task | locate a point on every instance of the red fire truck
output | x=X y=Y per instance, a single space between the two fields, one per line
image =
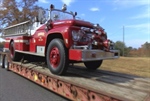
x=60 y=38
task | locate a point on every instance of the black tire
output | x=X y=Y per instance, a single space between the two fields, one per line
x=93 y=65
x=5 y=63
x=15 y=56
x=57 y=57
x=1 y=61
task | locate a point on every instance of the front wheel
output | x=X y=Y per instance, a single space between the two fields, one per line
x=57 y=57
x=93 y=65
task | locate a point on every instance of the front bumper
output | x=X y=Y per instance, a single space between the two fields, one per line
x=92 y=55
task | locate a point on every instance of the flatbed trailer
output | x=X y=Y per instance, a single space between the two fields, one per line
x=79 y=84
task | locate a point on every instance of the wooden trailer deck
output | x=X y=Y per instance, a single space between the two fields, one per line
x=84 y=85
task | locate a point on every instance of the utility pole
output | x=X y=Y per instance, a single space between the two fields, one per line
x=123 y=41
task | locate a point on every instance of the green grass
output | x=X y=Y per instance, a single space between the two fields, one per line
x=139 y=66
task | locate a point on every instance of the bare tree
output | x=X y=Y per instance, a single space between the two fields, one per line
x=14 y=11
x=29 y=9
x=9 y=12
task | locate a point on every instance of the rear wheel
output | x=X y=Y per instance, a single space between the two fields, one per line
x=5 y=63
x=1 y=61
x=93 y=65
x=15 y=56
x=57 y=57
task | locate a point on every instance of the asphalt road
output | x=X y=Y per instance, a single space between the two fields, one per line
x=16 y=88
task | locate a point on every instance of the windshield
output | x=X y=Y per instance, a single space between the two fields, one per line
x=60 y=15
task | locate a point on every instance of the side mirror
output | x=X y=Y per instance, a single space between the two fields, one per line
x=36 y=19
x=41 y=15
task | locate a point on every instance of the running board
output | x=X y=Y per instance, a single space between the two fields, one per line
x=31 y=53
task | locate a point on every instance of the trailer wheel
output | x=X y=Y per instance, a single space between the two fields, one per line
x=1 y=61
x=15 y=56
x=57 y=57
x=5 y=63
x=93 y=65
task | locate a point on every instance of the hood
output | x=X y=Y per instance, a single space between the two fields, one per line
x=72 y=22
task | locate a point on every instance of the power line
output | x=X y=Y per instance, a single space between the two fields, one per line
x=123 y=41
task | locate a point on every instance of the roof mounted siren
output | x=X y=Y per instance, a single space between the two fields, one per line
x=64 y=7
x=75 y=14
x=52 y=7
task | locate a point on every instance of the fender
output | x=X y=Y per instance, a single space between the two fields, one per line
x=65 y=33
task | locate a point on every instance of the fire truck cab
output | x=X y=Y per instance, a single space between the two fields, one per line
x=61 y=39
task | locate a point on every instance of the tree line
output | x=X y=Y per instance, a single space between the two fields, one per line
x=143 y=51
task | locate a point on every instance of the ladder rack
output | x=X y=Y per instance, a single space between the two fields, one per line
x=23 y=28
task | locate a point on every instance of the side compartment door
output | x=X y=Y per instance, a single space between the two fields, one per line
x=40 y=38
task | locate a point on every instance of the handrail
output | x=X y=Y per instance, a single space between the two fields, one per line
x=17 y=24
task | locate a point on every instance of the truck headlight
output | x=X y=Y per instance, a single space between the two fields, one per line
x=75 y=35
